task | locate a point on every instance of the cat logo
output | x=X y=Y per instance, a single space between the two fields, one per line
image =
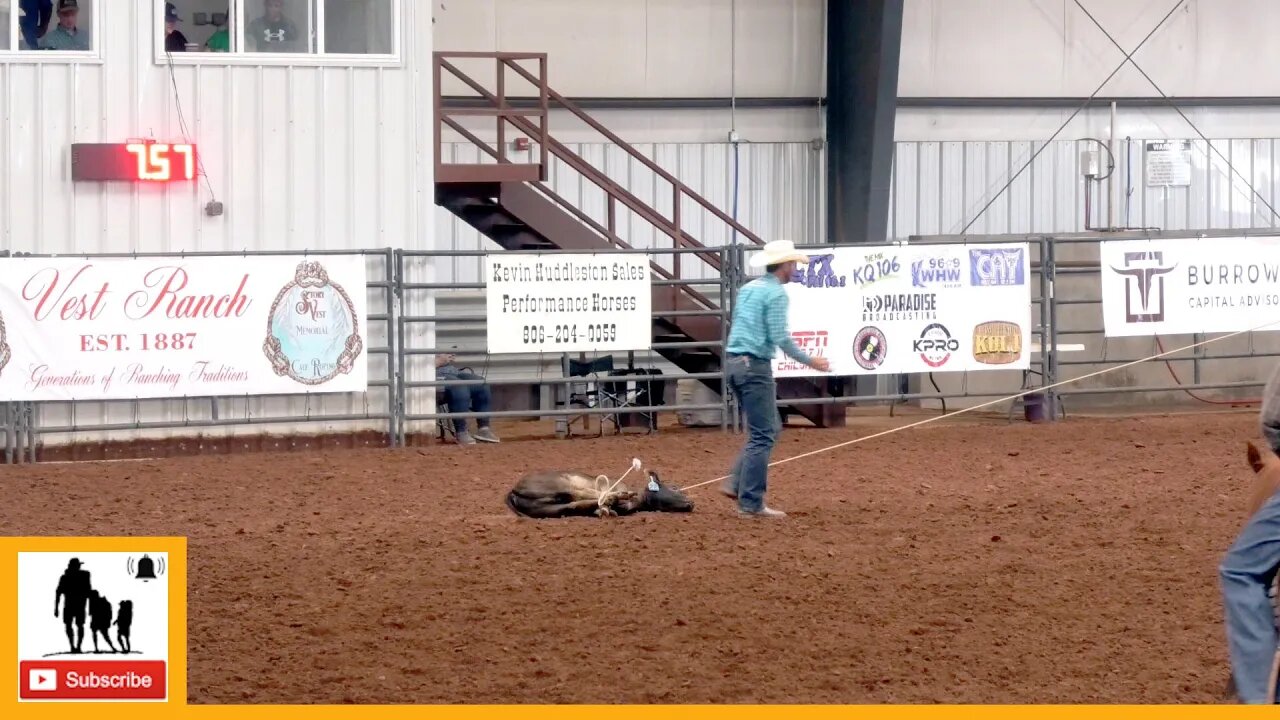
x=997 y=342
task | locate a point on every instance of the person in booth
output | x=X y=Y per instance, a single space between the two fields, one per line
x=66 y=35
x=174 y=40
x=465 y=398
x=1247 y=570
x=273 y=32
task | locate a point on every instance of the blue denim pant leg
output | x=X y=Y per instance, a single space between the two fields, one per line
x=468 y=398
x=1246 y=570
x=752 y=383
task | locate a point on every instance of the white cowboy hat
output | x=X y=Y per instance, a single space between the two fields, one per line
x=778 y=252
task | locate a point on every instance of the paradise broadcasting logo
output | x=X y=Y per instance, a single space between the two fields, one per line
x=107 y=637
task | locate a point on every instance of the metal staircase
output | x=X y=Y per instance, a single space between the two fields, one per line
x=512 y=204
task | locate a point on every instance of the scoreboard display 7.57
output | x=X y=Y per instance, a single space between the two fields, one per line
x=133 y=161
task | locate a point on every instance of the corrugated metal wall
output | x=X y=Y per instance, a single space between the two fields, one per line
x=939 y=187
x=303 y=157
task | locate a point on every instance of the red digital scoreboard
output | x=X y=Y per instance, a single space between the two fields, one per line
x=133 y=161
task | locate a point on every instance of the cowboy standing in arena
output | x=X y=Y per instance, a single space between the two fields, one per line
x=1247 y=571
x=759 y=329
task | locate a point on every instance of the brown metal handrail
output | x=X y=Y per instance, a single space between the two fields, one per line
x=678 y=187
x=613 y=191
x=501 y=111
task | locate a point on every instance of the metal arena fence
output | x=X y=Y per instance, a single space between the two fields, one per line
x=414 y=314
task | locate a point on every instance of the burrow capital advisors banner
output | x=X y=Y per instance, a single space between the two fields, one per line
x=75 y=328
x=568 y=303
x=1189 y=285
x=878 y=309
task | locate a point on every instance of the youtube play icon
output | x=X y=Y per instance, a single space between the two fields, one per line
x=42 y=679
x=93 y=680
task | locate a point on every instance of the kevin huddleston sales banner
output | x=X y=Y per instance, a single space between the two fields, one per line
x=877 y=309
x=568 y=302
x=74 y=328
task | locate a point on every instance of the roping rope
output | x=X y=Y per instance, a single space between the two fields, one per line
x=1029 y=391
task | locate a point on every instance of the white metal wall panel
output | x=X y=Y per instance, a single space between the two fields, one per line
x=303 y=157
x=1013 y=48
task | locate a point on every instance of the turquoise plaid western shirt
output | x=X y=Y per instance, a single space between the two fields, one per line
x=760 y=322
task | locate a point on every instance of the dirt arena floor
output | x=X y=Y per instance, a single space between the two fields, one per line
x=968 y=561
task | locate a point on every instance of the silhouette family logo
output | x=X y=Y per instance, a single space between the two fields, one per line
x=107 y=638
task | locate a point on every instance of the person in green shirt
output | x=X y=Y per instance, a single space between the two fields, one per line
x=220 y=41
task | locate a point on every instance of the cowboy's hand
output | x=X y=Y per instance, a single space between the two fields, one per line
x=822 y=364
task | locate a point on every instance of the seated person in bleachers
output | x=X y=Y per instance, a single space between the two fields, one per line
x=465 y=398
x=67 y=34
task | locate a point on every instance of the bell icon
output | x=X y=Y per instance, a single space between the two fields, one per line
x=146 y=568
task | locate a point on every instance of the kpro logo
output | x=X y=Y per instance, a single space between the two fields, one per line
x=935 y=345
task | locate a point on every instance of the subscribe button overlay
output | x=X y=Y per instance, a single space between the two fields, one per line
x=104 y=636
x=92 y=680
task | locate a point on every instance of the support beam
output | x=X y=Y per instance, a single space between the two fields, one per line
x=864 y=40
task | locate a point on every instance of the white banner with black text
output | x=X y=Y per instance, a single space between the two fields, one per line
x=76 y=328
x=1189 y=285
x=568 y=303
x=912 y=309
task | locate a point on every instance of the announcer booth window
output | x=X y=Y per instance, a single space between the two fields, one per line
x=278 y=32
x=54 y=30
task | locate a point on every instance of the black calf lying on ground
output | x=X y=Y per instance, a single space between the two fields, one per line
x=567 y=493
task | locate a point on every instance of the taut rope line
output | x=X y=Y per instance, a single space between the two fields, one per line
x=997 y=401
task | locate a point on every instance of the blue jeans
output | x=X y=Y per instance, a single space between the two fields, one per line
x=751 y=380
x=1247 y=571
x=465 y=398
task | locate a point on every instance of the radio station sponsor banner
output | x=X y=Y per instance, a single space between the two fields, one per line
x=928 y=308
x=1189 y=285
x=568 y=303
x=74 y=328
x=96 y=625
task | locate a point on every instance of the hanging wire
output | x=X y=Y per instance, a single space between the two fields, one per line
x=1169 y=101
x=1073 y=115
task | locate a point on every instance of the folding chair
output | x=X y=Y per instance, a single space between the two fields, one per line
x=646 y=390
x=589 y=393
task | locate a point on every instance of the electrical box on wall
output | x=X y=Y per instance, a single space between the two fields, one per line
x=1090 y=164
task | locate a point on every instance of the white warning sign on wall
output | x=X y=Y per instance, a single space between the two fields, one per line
x=1168 y=163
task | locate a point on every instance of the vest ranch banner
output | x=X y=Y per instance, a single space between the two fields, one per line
x=74 y=328
x=880 y=309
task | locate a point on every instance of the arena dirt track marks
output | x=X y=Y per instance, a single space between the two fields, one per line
x=960 y=562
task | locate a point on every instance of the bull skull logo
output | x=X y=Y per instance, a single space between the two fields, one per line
x=1143 y=272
